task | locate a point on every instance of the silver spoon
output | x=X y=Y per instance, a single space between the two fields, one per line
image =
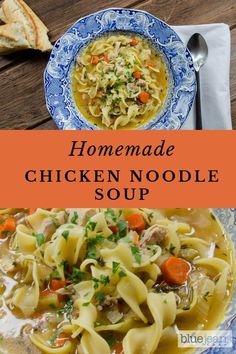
x=199 y=51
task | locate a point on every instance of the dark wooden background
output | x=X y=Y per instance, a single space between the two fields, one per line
x=21 y=75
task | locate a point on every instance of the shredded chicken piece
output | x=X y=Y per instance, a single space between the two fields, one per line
x=155 y=235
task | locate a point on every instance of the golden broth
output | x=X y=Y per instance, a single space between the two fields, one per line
x=15 y=329
x=115 y=80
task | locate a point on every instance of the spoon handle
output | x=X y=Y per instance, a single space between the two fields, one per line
x=198 y=104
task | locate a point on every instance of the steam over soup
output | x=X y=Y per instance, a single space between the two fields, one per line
x=102 y=281
x=119 y=81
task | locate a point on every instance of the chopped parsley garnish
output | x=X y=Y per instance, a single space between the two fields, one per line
x=86 y=304
x=40 y=239
x=96 y=283
x=74 y=218
x=54 y=336
x=65 y=234
x=111 y=341
x=122 y=274
x=104 y=280
x=91 y=246
x=115 y=267
x=77 y=275
x=100 y=297
x=136 y=253
x=122 y=226
x=150 y=216
x=110 y=212
x=55 y=222
x=90 y=226
x=7 y=233
x=67 y=309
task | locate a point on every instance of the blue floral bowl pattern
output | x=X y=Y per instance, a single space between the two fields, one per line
x=228 y=220
x=181 y=76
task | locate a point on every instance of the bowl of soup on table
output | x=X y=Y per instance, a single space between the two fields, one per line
x=119 y=69
x=110 y=281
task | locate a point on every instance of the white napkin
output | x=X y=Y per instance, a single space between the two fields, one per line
x=214 y=76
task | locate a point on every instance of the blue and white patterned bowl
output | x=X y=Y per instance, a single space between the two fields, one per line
x=228 y=219
x=57 y=78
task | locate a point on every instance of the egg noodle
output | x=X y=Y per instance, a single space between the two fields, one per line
x=119 y=81
x=101 y=281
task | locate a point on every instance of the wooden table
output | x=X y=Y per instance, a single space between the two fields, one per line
x=21 y=75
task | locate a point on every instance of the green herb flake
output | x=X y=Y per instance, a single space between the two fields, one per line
x=123 y=227
x=54 y=336
x=67 y=309
x=115 y=267
x=104 y=279
x=100 y=297
x=111 y=341
x=136 y=253
x=65 y=234
x=7 y=233
x=74 y=218
x=110 y=212
x=206 y=296
x=85 y=304
x=96 y=283
x=122 y=274
x=40 y=239
x=77 y=275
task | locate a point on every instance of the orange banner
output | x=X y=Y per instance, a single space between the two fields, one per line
x=118 y=169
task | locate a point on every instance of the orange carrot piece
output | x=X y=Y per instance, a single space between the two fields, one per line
x=119 y=348
x=133 y=42
x=106 y=58
x=136 y=222
x=137 y=74
x=8 y=225
x=144 y=97
x=94 y=59
x=175 y=270
x=136 y=239
x=57 y=284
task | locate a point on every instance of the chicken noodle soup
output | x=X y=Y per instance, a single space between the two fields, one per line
x=104 y=281
x=119 y=81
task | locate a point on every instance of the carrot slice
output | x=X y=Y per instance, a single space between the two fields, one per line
x=57 y=284
x=8 y=225
x=136 y=222
x=136 y=239
x=137 y=74
x=94 y=59
x=133 y=42
x=106 y=58
x=119 y=348
x=144 y=97
x=175 y=270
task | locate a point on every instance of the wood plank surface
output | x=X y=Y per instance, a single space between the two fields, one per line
x=21 y=91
